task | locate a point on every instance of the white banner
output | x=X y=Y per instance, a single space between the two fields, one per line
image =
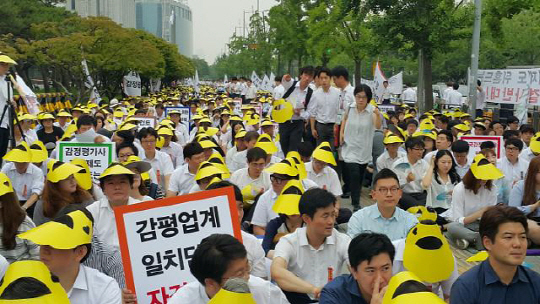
x=266 y=84
x=145 y=122
x=132 y=84
x=272 y=80
x=196 y=82
x=511 y=86
x=98 y=156
x=155 y=85
x=89 y=83
x=185 y=115
x=256 y=80
x=158 y=238
x=31 y=98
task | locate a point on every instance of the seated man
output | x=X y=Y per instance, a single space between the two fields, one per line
x=84 y=285
x=513 y=167
x=443 y=142
x=254 y=174
x=239 y=160
x=370 y=258
x=501 y=278
x=460 y=150
x=410 y=170
x=216 y=259
x=183 y=178
x=305 y=260
x=384 y=216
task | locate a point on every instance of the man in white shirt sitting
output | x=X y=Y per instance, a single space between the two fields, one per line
x=305 y=260
x=218 y=258
x=513 y=167
x=253 y=175
x=443 y=142
x=392 y=143
x=460 y=150
x=161 y=162
x=64 y=254
x=183 y=178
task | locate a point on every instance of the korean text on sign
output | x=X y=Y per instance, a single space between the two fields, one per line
x=98 y=156
x=158 y=239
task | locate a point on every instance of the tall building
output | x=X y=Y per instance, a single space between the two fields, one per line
x=167 y=19
x=120 y=11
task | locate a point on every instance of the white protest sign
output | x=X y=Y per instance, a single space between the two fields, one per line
x=476 y=141
x=386 y=108
x=132 y=84
x=145 y=122
x=98 y=156
x=158 y=238
x=511 y=86
x=185 y=114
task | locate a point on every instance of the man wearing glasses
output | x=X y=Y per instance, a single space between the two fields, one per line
x=384 y=216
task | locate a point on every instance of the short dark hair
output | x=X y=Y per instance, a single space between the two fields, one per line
x=412 y=121
x=192 y=148
x=384 y=174
x=308 y=70
x=413 y=142
x=256 y=153
x=510 y=133
x=518 y=143
x=365 y=246
x=488 y=144
x=145 y=132
x=278 y=78
x=251 y=135
x=86 y=120
x=448 y=134
x=455 y=85
x=460 y=146
x=102 y=180
x=305 y=149
x=495 y=216
x=443 y=119
x=363 y=88
x=224 y=183
x=512 y=119
x=127 y=145
x=324 y=70
x=313 y=199
x=340 y=71
x=526 y=129
x=214 y=255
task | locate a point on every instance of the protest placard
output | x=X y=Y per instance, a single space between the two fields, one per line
x=476 y=141
x=511 y=86
x=185 y=115
x=145 y=122
x=158 y=238
x=386 y=107
x=98 y=156
x=132 y=84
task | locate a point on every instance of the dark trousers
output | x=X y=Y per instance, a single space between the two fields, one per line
x=298 y=298
x=344 y=175
x=479 y=112
x=409 y=200
x=4 y=141
x=356 y=178
x=386 y=101
x=290 y=135
x=308 y=135
x=326 y=133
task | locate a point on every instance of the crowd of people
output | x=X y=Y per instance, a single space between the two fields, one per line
x=291 y=156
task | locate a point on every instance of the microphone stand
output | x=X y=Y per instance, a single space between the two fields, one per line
x=12 y=113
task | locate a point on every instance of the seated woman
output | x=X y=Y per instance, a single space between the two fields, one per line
x=139 y=190
x=470 y=199
x=525 y=195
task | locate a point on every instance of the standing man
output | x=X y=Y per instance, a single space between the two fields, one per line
x=409 y=95
x=5 y=62
x=480 y=99
x=251 y=92
x=454 y=97
x=279 y=90
x=385 y=93
x=323 y=109
x=298 y=93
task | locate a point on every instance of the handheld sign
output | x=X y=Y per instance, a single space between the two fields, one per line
x=185 y=114
x=145 y=122
x=98 y=156
x=476 y=140
x=158 y=238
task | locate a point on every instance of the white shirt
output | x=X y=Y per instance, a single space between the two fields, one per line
x=326 y=179
x=480 y=99
x=93 y=287
x=386 y=93
x=241 y=178
x=104 y=221
x=195 y=188
x=454 y=98
x=251 y=92
x=358 y=135
x=462 y=170
x=513 y=172
x=409 y=95
x=445 y=93
x=324 y=106
x=418 y=170
x=316 y=266
x=176 y=153
x=297 y=97
x=182 y=133
x=527 y=154
x=3 y=100
x=162 y=166
x=465 y=202
x=26 y=184
x=239 y=161
x=229 y=156
x=57 y=124
x=255 y=255
x=263 y=212
x=437 y=288
x=181 y=180
x=263 y=292
x=438 y=194
x=4 y=264
x=346 y=99
x=385 y=161
x=278 y=92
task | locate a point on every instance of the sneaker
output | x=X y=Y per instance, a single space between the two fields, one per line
x=462 y=244
x=356 y=208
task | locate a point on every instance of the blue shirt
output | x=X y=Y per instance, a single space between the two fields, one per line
x=370 y=219
x=342 y=290
x=481 y=285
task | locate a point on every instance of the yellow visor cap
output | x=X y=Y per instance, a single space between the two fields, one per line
x=19 y=154
x=5 y=184
x=83 y=177
x=229 y=297
x=115 y=169
x=61 y=171
x=482 y=169
x=266 y=143
x=282 y=111
x=287 y=202
x=39 y=152
x=324 y=153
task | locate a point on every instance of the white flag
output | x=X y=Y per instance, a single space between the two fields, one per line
x=225 y=80
x=171 y=19
x=378 y=78
x=196 y=82
x=395 y=83
x=132 y=84
x=89 y=83
x=272 y=80
x=266 y=84
x=31 y=98
x=256 y=80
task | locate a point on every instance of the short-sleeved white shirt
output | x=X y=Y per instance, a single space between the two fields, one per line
x=26 y=184
x=385 y=161
x=326 y=179
x=162 y=166
x=92 y=286
x=241 y=178
x=181 y=180
x=358 y=135
x=255 y=255
x=176 y=153
x=316 y=266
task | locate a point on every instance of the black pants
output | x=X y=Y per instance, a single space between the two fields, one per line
x=356 y=178
x=386 y=101
x=326 y=133
x=4 y=141
x=298 y=298
x=290 y=135
x=409 y=200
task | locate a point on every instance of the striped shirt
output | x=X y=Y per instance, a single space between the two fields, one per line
x=107 y=260
x=24 y=249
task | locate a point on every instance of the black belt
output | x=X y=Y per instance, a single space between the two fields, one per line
x=326 y=124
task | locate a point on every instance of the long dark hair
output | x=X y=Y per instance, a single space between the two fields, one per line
x=12 y=217
x=529 y=190
x=454 y=176
x=54 y=200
